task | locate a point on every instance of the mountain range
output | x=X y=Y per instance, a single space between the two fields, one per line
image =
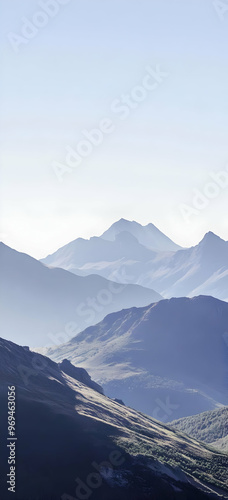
x=151 y=259
x=168 y=359
x=149 y=236
x=41 y=306
x=75 y=443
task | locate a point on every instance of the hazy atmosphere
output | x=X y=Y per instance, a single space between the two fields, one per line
x=113 y=250
x=151 y=78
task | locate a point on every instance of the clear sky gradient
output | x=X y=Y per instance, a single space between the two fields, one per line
x=64 y=80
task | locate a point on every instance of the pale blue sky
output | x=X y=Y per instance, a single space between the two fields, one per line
x=64 y=80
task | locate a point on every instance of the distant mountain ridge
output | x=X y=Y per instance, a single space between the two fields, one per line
x=149 y=236
x=40 y=305
x=149 y=259
x=202 y=269
x=166 y=359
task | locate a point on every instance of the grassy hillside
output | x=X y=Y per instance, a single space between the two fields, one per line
x=210 y=427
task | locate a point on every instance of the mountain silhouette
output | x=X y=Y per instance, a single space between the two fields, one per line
x=40 y=306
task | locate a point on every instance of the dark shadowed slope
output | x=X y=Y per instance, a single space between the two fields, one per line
x=65 y=429
x=40 y=305
x=168 y=359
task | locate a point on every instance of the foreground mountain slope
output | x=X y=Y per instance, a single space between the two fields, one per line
x=65 y=429
x=210 y=427
x=168 y=359
x=39 y=304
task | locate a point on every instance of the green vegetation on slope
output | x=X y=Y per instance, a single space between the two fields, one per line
x=210 y=427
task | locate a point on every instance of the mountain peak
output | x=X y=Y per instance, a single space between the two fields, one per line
x=149 y=235
x=125 y=224
x=122 y=220
x=210 y=234
x=210 y=238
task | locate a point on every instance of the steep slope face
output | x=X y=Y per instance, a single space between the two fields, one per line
x=201 y=269
x=74 y=443
x=79 y=374
x=40 y=306
x=149 y=236
x=168 y=359
x=210 y=427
